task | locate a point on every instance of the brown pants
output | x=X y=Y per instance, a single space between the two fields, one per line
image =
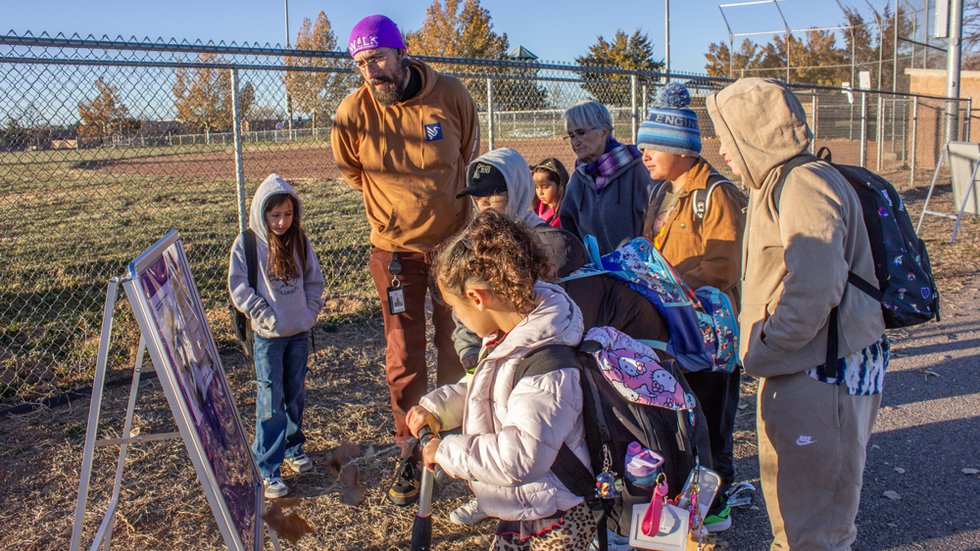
x=813 y=438
x=405 y=340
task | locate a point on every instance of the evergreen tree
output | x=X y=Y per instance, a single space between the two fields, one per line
x=624 y=52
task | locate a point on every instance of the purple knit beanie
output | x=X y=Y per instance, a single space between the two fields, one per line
x=374 y=31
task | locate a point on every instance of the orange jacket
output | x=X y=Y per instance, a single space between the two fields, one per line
x=707 y=251
x=409 y=160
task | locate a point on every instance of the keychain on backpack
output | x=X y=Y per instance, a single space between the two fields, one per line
x=396 y=294
x=651 y=520
x=608 y=485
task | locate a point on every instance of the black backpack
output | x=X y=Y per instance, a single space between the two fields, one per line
x=240 y=325
x=611 y=423
x=906 y=288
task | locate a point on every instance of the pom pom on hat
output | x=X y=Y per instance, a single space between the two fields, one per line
x=675 y=95
x=671 y=127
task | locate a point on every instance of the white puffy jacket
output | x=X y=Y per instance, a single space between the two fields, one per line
x=511 y=433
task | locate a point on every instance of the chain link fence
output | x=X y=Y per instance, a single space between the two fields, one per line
x=107 y=144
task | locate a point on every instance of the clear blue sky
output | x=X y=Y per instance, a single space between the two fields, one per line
x=555 y=30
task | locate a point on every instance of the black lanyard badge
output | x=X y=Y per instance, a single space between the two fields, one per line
x=396 y=294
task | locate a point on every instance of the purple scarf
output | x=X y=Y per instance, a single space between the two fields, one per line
x=615 y=157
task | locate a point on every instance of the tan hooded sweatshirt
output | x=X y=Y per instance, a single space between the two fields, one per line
x=795 y=256
x=409 y=160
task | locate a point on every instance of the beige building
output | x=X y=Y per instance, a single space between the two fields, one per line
x=929 y=133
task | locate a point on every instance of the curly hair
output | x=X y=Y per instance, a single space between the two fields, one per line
x=283 y=249
x=496 y=253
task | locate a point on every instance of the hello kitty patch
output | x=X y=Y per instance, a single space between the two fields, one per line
x=633 y=369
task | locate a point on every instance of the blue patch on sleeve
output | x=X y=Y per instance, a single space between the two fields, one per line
x=433 y=132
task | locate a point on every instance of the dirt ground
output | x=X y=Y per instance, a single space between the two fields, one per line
x=925 y=446
x=315 y=160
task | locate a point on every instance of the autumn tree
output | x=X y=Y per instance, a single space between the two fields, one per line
x=630 y=52
x=465 y=30
x=318 y=93
x=204 y=99
x=103 y=115
x=460 y=30
x=720 y=64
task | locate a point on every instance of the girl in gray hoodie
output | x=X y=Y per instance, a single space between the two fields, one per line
x=282 y=308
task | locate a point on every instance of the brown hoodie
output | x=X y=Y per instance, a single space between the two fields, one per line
x=409 y=160
x=795 y=255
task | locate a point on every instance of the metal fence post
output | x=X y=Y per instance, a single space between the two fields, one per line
x=915 y=138
x=864 y=129
x=879 y=132
x=643 y=102
x=813 y=122
x=633 y=120
x=490 y=114
x=969 y=119
x=236 y=124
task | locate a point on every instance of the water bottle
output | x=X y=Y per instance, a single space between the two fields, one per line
x=642 y=465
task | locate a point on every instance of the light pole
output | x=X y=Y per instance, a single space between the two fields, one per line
x=289 y=101
x=953 y=58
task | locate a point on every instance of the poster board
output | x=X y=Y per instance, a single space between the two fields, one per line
x=963 y=159
x=171 y=318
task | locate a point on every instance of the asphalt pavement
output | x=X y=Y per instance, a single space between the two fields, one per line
x=922 y=479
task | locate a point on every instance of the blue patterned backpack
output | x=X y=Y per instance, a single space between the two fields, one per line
x=906 y=288
x=701 y=326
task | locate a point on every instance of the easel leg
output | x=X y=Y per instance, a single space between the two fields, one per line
x=94 y=410
x=127 y=431
x=932 y=186
x=966 y=199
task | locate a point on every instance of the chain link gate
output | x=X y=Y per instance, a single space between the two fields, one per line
x=107 y=144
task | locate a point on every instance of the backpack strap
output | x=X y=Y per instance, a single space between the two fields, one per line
x=801 y=159
x=569 y=469
x=251 y=258
x=701 y=196
x=829 y=369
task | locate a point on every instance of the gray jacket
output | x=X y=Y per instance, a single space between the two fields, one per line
x=276 y=308
x=613 y=214
x=564 y=250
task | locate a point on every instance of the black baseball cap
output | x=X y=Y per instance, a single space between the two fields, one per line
x=485 y=180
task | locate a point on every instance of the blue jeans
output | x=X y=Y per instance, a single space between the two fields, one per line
x=280 y=379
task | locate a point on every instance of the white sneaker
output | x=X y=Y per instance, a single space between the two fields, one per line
x=300 y=463
x=275 y=487
x=467 y=514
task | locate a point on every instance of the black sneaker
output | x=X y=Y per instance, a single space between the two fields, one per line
x=405 y=487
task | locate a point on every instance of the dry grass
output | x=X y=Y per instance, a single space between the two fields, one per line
x=163 y=507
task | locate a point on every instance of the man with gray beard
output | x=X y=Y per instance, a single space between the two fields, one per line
x=404 y=139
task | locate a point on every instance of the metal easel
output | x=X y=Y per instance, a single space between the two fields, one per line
x=970 y=190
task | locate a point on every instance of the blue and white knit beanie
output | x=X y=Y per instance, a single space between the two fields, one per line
x=671 y=126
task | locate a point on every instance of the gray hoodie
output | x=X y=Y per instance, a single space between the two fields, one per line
x=276 y=308
x=563 y=249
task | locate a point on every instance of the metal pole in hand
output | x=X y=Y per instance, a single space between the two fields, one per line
x=422 y=525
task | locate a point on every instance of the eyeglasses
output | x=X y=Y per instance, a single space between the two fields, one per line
x=577 y=133
x=377 y=60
